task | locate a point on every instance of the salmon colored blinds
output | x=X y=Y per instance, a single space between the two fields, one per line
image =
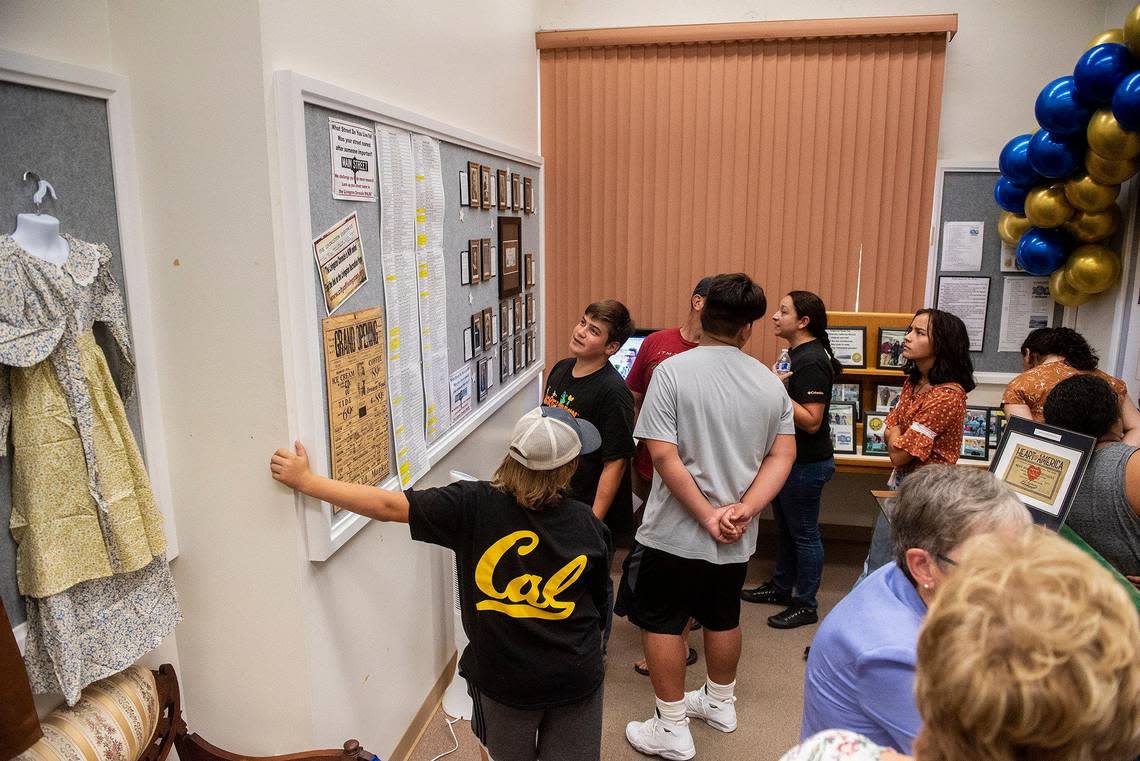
x=807 y=163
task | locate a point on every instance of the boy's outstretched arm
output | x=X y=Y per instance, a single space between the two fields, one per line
x=292 y=469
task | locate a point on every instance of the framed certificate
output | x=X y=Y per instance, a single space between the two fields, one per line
x=501 y=177
x=1044 y=466
x=889 y=348
x=510 y=256
x=476 y=260
x=976 y=434
x=841 y=418
x=848 y=344
x=474 y=185
x=875 y=434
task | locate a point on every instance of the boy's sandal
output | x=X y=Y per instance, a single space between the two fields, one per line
x=644 y=670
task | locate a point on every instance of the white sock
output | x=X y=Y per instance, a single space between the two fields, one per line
x=720 y=692
x=671 y=712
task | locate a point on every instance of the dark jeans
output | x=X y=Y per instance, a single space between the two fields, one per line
x=799 y=549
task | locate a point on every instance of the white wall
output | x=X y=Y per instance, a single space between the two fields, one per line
x=1003 y=54
x=72 y=31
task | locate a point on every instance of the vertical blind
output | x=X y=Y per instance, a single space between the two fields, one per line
x=806 y=162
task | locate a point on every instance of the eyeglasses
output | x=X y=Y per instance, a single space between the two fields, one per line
x=943 y=559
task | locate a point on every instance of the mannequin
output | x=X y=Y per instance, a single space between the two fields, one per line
x=38 y=234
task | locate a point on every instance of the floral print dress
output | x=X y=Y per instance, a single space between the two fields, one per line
x=90 y=556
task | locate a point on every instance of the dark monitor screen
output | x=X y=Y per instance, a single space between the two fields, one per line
x=625 y=356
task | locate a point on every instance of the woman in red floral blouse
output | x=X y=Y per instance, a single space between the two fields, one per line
x=925 y=425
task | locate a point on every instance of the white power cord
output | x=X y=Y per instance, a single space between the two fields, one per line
x=454 y=739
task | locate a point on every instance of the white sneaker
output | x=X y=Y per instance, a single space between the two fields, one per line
x=716 y=713
x=661 y=738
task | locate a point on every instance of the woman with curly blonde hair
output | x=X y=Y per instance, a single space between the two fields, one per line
x=1030 y=651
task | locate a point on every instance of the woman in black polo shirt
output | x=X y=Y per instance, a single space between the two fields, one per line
x=801 y=320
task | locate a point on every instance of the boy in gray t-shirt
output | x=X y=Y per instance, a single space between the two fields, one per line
x=718 y=425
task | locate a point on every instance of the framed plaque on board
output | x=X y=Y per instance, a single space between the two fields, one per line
x=510 y=256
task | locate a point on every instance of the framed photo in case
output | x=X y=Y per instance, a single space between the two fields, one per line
x=886 y=395
x=875 y=434
x=841 y=418
x=976 y=434
x=888 y=350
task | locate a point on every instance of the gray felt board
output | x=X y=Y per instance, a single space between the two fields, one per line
x=968 y=197
x=65 y=139
x=461 y=224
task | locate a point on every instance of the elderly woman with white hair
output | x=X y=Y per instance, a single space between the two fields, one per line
x=860 y=671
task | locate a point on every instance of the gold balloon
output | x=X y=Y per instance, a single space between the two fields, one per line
x=1046 y=206
x=1107 y=138
x=1092 y=269
x=1108 y=35
x=1063 y=293
x=1109 y=172
x=1086 y=194
x=1132 y=30
x=1012 y=226
x=1091 y=226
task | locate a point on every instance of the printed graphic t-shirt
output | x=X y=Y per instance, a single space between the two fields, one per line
x=532 y=590
x=811 y=384
x=655 y=349
x=602 y=399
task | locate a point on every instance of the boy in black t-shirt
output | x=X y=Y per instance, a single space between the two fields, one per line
x=532 y=574
x=590 y=388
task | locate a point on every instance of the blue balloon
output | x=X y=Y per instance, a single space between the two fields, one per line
x=1126 y=102
x=1014 y=162
x=1099 y=71
x=1051 y=156
x=1039 y=251
x=1058 y=109
x=1010 y=196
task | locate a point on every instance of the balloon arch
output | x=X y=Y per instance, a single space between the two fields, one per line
x=1058 y=186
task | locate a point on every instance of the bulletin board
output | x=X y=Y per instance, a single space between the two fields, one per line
x=71 y=126
x=966 y=195
x=304 y=109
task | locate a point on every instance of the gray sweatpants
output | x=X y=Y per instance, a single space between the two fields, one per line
x=570 y=732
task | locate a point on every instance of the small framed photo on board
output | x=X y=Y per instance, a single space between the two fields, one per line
x=474 y=185
x=997 y=426
x=1043 y=465
x=889 y=348
x=886 y=396
x=848 y=344
x=475 y=260
x=531 y=313
x=477 y=331
x=975 y=434
x=501 y=180
x=520 y=358
x=875 y=434
x=504 y=319
x=530 y=344
x=510 y=256
x=505 y=369
x=465 y=267
x=485 y=186
x=488 y=257
x=841 y=419
x=528 y=195
x=517 y=313
x=483 y=376
x=488 y=329
x=516 y=192
x=528 y=264
x=468 y=345
x=850 y=393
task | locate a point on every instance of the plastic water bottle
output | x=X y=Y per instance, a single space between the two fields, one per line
x=784 y=362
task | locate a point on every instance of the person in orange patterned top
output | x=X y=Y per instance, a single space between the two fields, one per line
x=1050 y=355
x=925 y=425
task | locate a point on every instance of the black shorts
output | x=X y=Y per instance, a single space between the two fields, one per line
x=660 y=592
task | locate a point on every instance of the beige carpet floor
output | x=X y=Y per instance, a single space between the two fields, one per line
x=769 y=682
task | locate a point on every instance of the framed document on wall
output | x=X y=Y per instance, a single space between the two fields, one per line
x=848 y=345
x=510 y=256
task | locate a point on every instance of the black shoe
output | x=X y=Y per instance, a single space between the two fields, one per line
x=796 y=615
x=768 y=594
